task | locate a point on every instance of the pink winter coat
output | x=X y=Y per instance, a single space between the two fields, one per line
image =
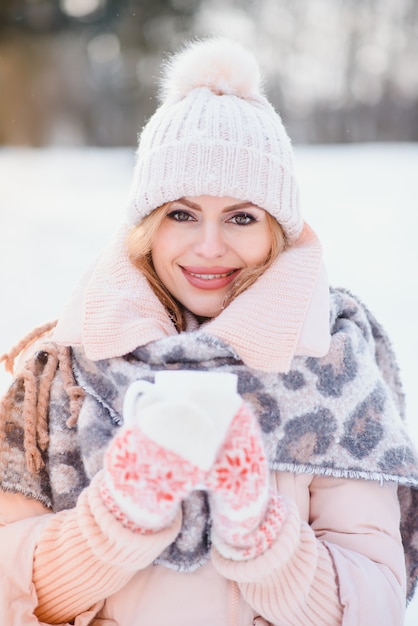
x=351 y=526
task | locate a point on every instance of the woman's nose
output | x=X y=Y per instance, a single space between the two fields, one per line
x=210 y=242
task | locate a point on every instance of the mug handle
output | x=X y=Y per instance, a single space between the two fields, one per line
x=136 y=388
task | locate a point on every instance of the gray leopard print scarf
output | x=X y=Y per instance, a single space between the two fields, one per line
x=341 y=415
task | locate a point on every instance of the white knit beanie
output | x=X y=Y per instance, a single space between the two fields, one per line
x=216 y=134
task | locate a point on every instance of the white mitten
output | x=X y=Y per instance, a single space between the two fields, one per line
x=247 y=516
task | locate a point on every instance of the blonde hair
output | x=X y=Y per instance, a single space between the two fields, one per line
x=139 y=244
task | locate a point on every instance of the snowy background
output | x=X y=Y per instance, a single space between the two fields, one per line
x=58 y=208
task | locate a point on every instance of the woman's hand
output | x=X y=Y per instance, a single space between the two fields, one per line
x=167 y=448
x=246 y=516
x=156 y=460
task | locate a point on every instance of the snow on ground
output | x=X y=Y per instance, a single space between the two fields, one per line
x=58 y=208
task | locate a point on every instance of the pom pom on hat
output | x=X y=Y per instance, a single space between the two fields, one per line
x=215 y=134
x=221 y=65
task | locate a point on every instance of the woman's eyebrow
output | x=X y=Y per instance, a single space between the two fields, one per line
x=242 y=205
x=188 y=203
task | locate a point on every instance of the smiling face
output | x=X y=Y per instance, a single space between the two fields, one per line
x=202 y=245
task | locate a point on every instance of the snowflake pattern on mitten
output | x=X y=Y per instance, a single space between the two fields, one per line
x=145 y=480
x=241 y=467
x=246 y=515
x=242 y=543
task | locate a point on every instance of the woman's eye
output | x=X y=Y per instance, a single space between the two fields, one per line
x=242 y=219
x=180 y=216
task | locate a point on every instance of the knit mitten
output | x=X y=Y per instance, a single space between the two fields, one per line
x=163 y=452
x=246 y=515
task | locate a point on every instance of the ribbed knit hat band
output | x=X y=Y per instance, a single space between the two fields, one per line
x=215 y=134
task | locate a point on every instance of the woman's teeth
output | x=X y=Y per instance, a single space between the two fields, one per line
x=212 y=276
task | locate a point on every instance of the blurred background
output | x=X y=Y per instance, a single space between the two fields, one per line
x=83 y=72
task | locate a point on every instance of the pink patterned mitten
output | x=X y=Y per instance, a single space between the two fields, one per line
x=156 y=460
x=247 y=516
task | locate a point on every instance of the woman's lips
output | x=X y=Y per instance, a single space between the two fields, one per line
x=209 y=277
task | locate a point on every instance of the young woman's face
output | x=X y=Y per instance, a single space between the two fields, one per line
x=202 y=245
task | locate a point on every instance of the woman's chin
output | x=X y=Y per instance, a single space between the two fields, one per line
x=206 y=313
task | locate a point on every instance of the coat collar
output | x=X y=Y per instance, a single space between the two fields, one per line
x=285 y=313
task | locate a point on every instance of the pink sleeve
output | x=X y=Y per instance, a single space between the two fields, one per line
x=85 y=555
x=293 y=583
x=334 y=567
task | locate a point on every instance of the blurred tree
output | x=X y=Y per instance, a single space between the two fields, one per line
x=84 y=71
x=79 y=71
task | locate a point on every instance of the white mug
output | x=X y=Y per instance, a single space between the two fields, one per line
x=185 y=407
x=181 y=385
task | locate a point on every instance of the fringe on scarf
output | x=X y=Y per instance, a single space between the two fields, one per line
x=35 y=378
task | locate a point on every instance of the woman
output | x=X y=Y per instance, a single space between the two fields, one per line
x=277 y=503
